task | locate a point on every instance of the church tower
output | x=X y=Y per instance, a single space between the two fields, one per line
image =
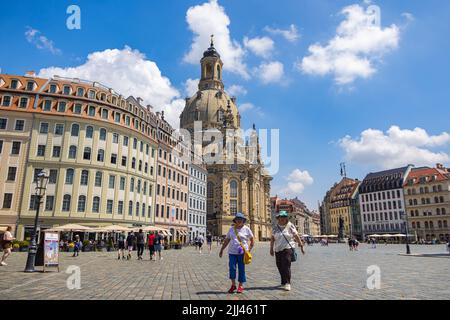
x=242 y=186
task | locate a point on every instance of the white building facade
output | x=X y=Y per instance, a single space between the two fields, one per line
x=197 y=219
x=382 y=202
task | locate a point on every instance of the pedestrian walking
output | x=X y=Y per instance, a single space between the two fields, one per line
x=78 y=246
x=282 y=246
x=151 y=244
x=200 y=241
x=121 y=246
x=130 y=244
x=209 y=241
x=241 y=241
x=6 y=245
x=140 y=243
x=158 y=242
x=350 y=244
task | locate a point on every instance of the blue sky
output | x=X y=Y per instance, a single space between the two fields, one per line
x=394 y=79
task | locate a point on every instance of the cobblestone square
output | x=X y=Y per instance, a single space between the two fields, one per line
x=323 y=273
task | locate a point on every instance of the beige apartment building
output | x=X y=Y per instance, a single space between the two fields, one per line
x=98 y=148
x=427 y=198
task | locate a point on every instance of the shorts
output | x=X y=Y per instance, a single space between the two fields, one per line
x=7 y=245
x=158 y=248
x=200 y=244
x=121 y=245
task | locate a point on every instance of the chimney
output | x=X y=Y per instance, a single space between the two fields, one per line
x=139 y=100
x=30 y=73
x=439 y=166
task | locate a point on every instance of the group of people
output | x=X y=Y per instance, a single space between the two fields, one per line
x=353 y=244
x=240 y=242
x=128 y=242
x=200 y=240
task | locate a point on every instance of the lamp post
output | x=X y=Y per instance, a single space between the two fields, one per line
x=404 y=215
x=41 y=187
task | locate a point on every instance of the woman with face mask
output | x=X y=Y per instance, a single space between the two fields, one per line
x=240 y=239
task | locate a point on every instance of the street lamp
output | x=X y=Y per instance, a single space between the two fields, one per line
x=404 y=216
x=41 y=186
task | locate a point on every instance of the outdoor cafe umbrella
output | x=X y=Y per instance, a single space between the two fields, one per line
x=112 y=228
x=69 y=228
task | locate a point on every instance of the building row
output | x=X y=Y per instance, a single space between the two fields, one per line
x=110 y=160
x=387 y=202
x=306 y=221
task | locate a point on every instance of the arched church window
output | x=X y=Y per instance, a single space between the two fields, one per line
x=233 y=189
x=210 y=191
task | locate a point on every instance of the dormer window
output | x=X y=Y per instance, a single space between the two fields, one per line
x=14 y=84
x=91 y=94
x=66 y=90
x=80 y=92
x=53 y=88
x=30 y=85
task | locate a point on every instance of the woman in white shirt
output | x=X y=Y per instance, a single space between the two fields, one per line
x=7 y=245
x=236 y=250
x=282 y=243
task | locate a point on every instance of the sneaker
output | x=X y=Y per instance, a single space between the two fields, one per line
x=240 y=289
x=232 y=289
x=287 y=287
x=3 y=263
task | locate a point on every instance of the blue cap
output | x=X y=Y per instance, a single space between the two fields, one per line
x=239 y=215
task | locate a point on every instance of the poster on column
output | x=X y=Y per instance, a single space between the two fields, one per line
x=51 y=250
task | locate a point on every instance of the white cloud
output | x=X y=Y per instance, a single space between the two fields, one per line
x=296 y=183
x=359 y=43
x=236 y=90
x=246 y=107
x=191 y=87
x=262 y=47
x=270 y=72
x=290 y=34
x=41 y=42
x=128 y=72
x=207 y=19
x=397 y=147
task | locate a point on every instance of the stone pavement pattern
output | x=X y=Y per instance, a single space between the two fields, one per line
x=323 y=273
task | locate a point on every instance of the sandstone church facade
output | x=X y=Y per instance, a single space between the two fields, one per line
x=241 y=185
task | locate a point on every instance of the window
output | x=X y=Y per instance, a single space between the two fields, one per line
x=122 y=183
x=113 y=158
x=14 y=84
x=98 y=178
x=3 y=123
x=33 y=202
x=53 y=88
x=77 y=108
x=53 y=175
x=47 y=105
x=125 y=141
x=115 y=138
x=87 y=153
x=89 y=132
x=59 y=129
x=69 y=176
x=66 y=203
x=66 y=90
x=91 y=94
x=7 y=200
x=43 y=129
x=49 y=202
x=75 y=131
x=133 y=163
x=135 y=143
x=109 y=206
x=20 y=124
x=103 y=134
x=11 y=174
x=117 y=117
x=80 y=92
x=96 y=205
x=233 y=189
x=130 y=208
x=81 y=204
x=124 y=161
x=23 y=103
x=112 y=182
x=120 y=208
x=233 y=207
x=41 y=150
x=101 y=155
x=132 y=185
x=6 y=101
x=137 y=209
x=105 y=114
x=72 y=152
x=62 y=106
x=84 y=178
x=91 y=111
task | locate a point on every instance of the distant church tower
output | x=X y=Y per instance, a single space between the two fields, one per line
x=239 y=187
